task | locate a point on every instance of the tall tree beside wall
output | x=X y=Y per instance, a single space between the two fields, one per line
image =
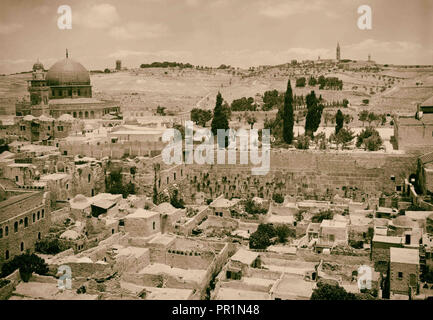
x=314 y=114
x=339 y=120
x=219 y=120
x=288 y=117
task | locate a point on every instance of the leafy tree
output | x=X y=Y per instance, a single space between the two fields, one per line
x=345 y=103
x=259 y=240
x=176 y=201
x=322 y=215
x=27 y=264
x=370 y=139
x=288 y=117
x=371 y=117
x=363 y=116
x=272 y=99
x=49 y=246
x=339 y=120
x=243 y=104
x=283 y=232
x=343 y=138
x=312 y=81
x=303 y=142
x=251 y=119
x=365 y=101
x=314 y=114
x=329 y=292
x=278 y=198
x=200 y=116
x=300 y=82
x=220 y=120
x=252 y=208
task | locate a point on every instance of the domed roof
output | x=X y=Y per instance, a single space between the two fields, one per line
x=38 y=66
x=79 y=198
x=67 y=72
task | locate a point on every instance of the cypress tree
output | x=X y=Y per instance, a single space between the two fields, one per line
x=219 y=120
x=339 y=120
x=288 y=117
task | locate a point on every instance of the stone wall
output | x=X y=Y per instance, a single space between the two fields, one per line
x=358 y=175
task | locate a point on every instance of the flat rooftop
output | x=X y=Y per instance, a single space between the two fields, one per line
x=236 y=294
x=404 y=255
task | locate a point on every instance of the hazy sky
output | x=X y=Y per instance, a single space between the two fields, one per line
x=211 y=32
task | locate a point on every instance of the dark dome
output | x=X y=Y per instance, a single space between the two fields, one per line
x=67 y=72
x=38 y=66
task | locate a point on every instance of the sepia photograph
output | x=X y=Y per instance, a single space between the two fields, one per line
x=226 y=150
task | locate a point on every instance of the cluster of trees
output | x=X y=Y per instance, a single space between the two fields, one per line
x=332 y=83
x=272 y=99
x=252 y=207
x=114 y=184
x=243 y=104
x=266 y=234
x=166 y=64
x=370 y=117
x=369 y=139
x=200 y=116
x=27 y=264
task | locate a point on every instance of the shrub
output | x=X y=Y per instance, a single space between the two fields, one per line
x=278 y=198
x=49 y=246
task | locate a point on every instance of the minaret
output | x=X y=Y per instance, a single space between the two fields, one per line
x=338 y=51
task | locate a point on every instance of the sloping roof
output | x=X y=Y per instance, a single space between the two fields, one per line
x=387 y=239
x=404 y=255
x=19 y=204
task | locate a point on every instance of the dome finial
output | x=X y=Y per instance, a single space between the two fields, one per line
x=67 y=55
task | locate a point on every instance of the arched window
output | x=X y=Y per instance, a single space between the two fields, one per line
x=34 y=218
x=89 y=177
x=6 y=231
x=39 y=236
x=26 y=222
x=22 y=246
x=21 y=221
x=43 y=213
x=16 y=226
x=7 y=255
x=86 y=114
x=153 y=225
x=39 y=215
x=1 y=233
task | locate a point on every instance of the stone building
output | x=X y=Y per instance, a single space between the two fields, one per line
x=64 y=89
x=24 y=219
x=404 y=271
x=416 y=133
